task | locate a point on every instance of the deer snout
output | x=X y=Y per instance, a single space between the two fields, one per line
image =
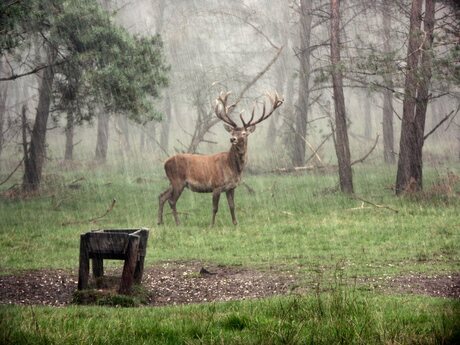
x=233 y=140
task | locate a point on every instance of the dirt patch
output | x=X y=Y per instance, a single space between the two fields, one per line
x=43 y=287
x=435 y=285
x=174 y=283
x=167 y=284
x=183 y=283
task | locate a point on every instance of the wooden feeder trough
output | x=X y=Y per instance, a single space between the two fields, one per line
x=129 y=245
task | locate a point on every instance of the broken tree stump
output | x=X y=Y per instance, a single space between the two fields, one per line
x=129 y=245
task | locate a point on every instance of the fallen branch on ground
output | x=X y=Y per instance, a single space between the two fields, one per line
x=358 y=208
x=73 y=183
x=375 y=205
x=95 y=219
x=305 y=168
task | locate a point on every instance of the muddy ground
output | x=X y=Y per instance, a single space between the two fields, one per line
x=175 y=283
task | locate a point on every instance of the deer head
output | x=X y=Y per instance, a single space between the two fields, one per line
x=239 y=134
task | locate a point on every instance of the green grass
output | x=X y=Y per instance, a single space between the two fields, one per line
x=292 y=223
x=340 y=316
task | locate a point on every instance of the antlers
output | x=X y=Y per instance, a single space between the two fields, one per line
x=222 y=114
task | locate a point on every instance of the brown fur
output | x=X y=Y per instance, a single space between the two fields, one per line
x=217 y=173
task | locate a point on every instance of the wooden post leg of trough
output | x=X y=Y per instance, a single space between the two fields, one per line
x=127 y=276
x=83 y=272
x=139 y=272
x=98 y=271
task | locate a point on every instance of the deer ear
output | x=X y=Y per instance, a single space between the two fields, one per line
x=228 y=128
x=251 y=129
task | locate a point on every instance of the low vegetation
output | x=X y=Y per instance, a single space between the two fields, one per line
x=298 y=224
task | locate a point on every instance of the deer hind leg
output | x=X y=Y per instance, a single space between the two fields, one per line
x=175 y=194
x=162 y=199
x=215 y=204
x=231 y=204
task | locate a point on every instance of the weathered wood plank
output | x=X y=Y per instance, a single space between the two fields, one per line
x=83 y=272
x=129 y=267
x=129 y=245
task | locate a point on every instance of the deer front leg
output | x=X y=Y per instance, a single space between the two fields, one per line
x=176 y=192
x=215 y=204
x=231 y=204
x=162 y=199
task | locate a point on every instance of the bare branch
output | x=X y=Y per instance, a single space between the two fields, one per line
x=360 y=160
x=32 y=71
x=92 y=220
x=259 y=75
x=11 y=174
x=205 y=125
x=246 y=21
x=439 y=124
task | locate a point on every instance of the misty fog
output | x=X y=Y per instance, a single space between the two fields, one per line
x=252 y=47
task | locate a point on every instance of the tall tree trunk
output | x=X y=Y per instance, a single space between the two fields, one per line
x=282 y=32
x=342 y=146
x=123 y=125
x=33 y=164
x=69 y=133
x=3 y=97
x=142 y=140
x=367 y=115
x=301 y=111
x=387 y=113
x=410 y=163
x=102 y=136
x=387 y=127
x=270 y=139
x=289 y=118
x=25 y=144
x=166 y=125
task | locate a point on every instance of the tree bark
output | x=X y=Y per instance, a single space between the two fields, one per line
x=418 y=77
x=102 y=136
x=3 y=96
x=270 y=139
x=123 y=126
x=387 y=128
x=69 y=134
x=367 y=115
x=166 y=124
x=342 y=146
x=387 y=113
x=301 y=110
x=33 y=163
x=281 y=33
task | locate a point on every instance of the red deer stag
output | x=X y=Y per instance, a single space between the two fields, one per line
x=216 y=173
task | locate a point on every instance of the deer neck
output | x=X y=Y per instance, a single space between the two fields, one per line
x=238 y=157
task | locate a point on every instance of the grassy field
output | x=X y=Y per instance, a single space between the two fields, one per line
x=299 y=224
x=339 y=317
